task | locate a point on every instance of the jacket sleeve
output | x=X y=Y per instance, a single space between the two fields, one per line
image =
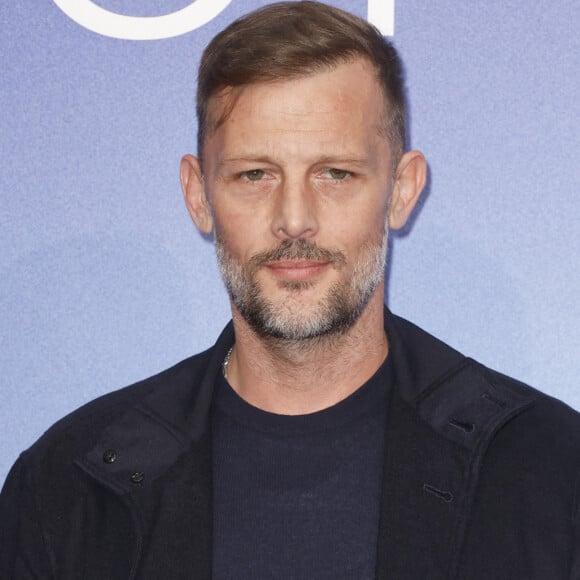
x=22 y=548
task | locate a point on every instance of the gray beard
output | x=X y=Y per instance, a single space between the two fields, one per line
x=333 y=315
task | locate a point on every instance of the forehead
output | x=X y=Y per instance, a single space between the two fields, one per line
x=342 y=102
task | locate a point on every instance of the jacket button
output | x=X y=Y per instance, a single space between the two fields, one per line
x=137 y=477
x=110 y=456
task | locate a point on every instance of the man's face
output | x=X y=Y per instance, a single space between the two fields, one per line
x=298 y=179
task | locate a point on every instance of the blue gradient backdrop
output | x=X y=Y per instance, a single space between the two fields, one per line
x=104 y=280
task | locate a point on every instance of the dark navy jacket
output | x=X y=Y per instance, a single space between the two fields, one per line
x=480 y=478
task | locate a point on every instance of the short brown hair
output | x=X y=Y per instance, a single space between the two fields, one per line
x=289 y=40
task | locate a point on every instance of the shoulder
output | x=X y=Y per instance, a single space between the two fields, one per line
x=515 y=422
x=528 y=488
x=546 y=434
x=546 y=426
x=434 y=370
x=528 y=453
x=78 y=431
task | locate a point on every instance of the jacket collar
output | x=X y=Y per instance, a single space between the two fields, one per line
x=450 y=392
x=151 y=435
x=444 y=411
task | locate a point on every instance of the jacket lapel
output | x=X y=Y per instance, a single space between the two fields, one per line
x=444 y=410
x=156 y=458
x=178 y=514
x=423 y=485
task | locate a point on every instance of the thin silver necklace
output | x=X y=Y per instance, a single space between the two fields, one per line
x=226 y=363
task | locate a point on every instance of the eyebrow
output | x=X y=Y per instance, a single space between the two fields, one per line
x=329 y=160
x=326 y=160
x=249 y=158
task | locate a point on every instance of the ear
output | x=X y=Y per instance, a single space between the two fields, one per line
x=194 y=192
x=410 y=179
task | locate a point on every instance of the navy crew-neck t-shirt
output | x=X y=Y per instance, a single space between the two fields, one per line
x=298 y=496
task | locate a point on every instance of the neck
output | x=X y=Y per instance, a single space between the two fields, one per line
x=299 y=377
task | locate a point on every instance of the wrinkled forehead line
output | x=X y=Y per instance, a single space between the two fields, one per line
x=222 y=102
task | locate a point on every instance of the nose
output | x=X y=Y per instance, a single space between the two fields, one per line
x=295 y=212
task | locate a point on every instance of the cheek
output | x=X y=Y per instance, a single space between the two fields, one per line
x=360 y=225
x=240 y=236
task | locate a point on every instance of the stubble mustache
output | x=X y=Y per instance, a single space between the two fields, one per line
x=300 y=249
